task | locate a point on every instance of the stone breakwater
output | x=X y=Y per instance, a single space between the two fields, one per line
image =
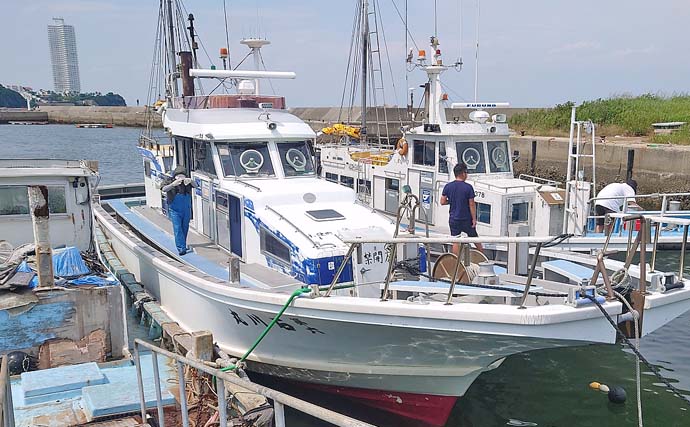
x=656 y=168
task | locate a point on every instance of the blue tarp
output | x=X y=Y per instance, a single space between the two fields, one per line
x=94 y=281
x=68 y=263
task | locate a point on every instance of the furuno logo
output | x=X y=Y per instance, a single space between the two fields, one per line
x=481 y=105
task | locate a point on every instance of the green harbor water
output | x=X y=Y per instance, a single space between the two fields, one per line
x=540 y=388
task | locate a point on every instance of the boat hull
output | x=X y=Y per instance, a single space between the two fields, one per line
x=357 y=346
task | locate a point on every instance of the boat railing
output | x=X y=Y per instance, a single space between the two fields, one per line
x=464 y=242
x=6 y=405
x=663 y=211
x=501 y=189
x=280 y=400
x=539 y=180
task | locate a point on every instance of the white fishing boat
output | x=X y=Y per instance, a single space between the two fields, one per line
x=306 y=256
x=361 y=156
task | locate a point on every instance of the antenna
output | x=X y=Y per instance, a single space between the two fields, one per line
x=476 y=56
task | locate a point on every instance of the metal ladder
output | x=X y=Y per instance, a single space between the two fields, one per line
x=575 y=176
x=377 y=85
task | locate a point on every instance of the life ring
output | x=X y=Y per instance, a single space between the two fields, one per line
x=402 y=147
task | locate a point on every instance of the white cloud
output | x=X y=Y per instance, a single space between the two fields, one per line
x=575 y=47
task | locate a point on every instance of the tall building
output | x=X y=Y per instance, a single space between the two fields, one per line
x=63 y=55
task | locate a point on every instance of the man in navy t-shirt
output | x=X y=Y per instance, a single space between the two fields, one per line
x=463 y=212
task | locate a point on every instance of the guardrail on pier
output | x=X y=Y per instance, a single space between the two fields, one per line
x=280 y=400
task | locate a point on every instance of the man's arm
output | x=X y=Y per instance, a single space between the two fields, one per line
x=444 y=200
x=473 y=212
x=172 y=184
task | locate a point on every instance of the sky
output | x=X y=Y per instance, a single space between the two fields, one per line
x=533 y=53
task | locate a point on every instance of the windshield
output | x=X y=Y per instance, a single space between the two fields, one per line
x=248 y=159
x=498 y=156
x=296 y=158
x=472 y=154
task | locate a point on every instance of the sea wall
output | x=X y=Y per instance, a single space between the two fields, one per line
x=118 y=116
x=22 y=115
x=657 y=168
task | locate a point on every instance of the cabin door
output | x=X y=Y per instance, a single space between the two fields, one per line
x=422 y=184
x=236 y=211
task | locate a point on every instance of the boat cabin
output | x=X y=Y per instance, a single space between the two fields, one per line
x=70 y=186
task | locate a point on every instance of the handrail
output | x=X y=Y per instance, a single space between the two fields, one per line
x=539 y=180
x=6 y=405
x=450 y=239
x=252 y=186
x=280 y=399
x=297 y=229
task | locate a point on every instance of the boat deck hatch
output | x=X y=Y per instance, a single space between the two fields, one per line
x=325 y=215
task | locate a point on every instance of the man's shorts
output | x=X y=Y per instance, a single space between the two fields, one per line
x=601 y=211
x=457 y=227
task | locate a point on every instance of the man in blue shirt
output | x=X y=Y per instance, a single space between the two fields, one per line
x=463 y=211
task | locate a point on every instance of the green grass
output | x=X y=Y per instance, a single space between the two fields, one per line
x=624 y=115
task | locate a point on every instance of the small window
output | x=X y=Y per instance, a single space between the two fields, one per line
x=519 y=212
x=442 y=159
x=203 y=159
x=472 y=154
x=56 y=200
x=273 y=246
x=364 y=186
x=499 y=161
x=483 y=213
x=14 y=200
x=333 y=177
x=392 y=184
x=424 y=153
x=147 y=168
x=347 y=181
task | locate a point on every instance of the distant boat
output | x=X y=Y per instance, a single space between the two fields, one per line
x=94 y=125
x=28 y=123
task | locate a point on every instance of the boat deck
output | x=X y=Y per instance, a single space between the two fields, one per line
x=206 y=256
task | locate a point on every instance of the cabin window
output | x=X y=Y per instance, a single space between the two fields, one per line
x=245 y=159
x=347 y=181
x=333 y=177
x=203 y=158
x=14 y=200
x=483 y=212
x=273 y=246
x=147 y=168
x=442 y=159
x=424 y=153
x=472 y=154
x=296 y=158
x=499 y=161
x=364 y=186
x=518 y=212
x=56 y=200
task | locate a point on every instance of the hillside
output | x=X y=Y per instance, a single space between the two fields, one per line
x=11 y=99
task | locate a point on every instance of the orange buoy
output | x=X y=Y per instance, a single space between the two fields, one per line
x=402 y=147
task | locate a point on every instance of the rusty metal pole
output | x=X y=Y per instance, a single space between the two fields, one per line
x=38 y=206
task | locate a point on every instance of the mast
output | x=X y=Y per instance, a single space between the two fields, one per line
x=171 y=51
x=365 y=57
